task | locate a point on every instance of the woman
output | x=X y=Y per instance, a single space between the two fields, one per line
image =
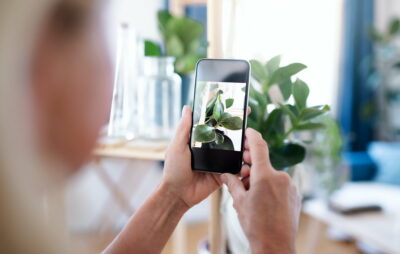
x=55 y=94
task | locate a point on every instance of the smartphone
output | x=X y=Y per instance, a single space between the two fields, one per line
x=219 y=115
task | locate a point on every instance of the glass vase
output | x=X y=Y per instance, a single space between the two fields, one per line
x=159 y=98
x=123 y=116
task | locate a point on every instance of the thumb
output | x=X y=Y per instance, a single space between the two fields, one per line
x=235 y=186
x=183 y=131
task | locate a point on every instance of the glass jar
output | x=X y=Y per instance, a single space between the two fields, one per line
x=123 y=116
x=159 y=98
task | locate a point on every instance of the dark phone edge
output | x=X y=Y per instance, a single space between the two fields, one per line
x=246 y=102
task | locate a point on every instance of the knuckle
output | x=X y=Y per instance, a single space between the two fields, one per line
x=284 y=179
x=260 y=143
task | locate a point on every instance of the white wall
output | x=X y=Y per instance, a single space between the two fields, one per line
x=142 y=14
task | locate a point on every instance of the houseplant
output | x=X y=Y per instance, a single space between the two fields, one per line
x=182 y=39
x=280 y=113
x=275 y=116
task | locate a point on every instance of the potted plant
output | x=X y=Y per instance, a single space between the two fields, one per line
x=182 y=39
x=280 y=113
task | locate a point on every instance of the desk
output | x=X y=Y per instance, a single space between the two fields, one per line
x=378 y=230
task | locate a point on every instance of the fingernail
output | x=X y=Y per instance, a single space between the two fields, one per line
x=184 y=110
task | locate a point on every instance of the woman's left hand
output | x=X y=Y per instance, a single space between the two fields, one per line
x=189 y=186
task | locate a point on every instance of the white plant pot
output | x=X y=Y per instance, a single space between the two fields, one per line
x=236 y=239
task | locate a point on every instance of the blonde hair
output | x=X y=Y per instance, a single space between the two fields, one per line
x=23 y=226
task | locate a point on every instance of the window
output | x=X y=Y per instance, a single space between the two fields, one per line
x=306 y=31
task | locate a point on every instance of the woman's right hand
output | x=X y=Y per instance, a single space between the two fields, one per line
x=269 y=208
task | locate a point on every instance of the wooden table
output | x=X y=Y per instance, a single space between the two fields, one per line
x=134 y=150
x=378 y=230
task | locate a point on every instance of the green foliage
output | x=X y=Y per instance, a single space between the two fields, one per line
x=228 y=103
x=216 y=117
x=181 y=39
x=276 y=122
x=151 y=48
x=204 y=133
x=385 y=37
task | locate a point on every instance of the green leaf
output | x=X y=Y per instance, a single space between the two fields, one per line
x=226 y=145
x=261 y=99
x=284 y=73
x=186 y=63
x=294 y=110
x=310 y=113
x=286 y=109
x=273 y=127
x=273 y=64
x=232 y=123
x=211 y=104
x=218 y=108
x=300 y=93
x=254 y=117
x=224 y=116
x=287 y=155
x=204 y=133
x=163 y=18
x=251 y=123
x=286 y=89
x=265 y=86
x=375 y=35
x=174 y=46
x=185 y=28
x=229 y=102
x=258 y=71
x=310 y=126
x=151 y=48
x=219 y=139
x=394 y=27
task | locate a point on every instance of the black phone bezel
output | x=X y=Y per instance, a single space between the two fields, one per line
x=215 y=160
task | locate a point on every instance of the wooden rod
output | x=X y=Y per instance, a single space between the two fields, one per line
x=214 y=36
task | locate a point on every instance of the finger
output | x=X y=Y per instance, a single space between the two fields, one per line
x=235 y=186
x=246 y=183
x=183 y=131
x=248 y=112
x=259 y=152
x=246 y=144
x=245 y=171
x=216 y=177
x=247 y=156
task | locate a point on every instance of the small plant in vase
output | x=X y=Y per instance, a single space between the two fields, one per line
x=182 y=38
x=280 y=113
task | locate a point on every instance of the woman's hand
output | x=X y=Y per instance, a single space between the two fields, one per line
x=267 y=202
x=189 y=186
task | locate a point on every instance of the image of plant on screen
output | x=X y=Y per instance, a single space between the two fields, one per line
x=217 y=124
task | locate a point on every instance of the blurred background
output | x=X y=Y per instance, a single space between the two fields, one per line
x=347 y=162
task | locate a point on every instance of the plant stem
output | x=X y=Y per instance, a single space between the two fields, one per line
x=286 y=135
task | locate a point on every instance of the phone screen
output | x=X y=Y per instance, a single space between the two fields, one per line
x=219 y=115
